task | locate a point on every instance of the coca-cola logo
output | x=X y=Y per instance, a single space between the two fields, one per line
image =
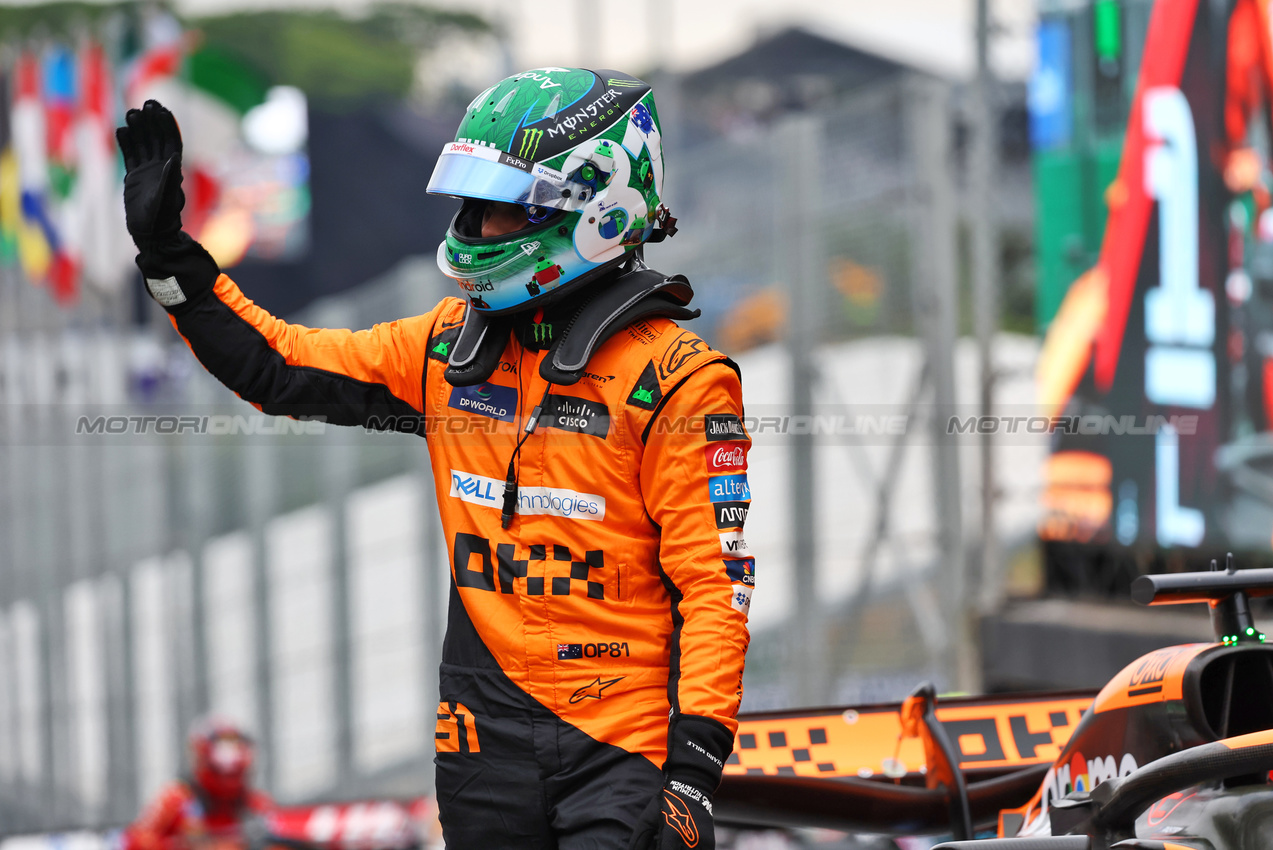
x=726 y=457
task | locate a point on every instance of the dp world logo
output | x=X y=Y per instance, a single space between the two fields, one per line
x=490 y=400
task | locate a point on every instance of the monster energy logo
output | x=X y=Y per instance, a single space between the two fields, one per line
x=530 y=142
x=543 y=332
x=441 y=348
x=644 y=395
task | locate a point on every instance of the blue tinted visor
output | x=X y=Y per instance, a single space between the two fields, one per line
x=482 y=172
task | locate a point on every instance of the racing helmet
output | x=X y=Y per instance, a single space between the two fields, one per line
x=580 y=150
x=221 y=756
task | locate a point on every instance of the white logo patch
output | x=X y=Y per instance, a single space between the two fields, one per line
x=531 y=501
x=733 y=544
x=166 y=291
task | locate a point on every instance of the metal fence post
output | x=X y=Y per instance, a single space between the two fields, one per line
x=125 y=751
x=983 y=224
x=800 y=251
x=937 y=310
x=195 y=485
x=338 y=460
x=259 y=471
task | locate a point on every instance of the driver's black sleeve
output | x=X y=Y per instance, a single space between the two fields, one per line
x=371 y=377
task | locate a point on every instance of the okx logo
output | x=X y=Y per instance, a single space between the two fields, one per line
x=543 y=569
x=489 y=400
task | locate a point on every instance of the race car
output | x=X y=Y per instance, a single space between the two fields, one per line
x=358 y=825
x=1174 y=752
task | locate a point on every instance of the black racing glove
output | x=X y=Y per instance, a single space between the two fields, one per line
x=151 y=144
x=177 y=269
x=680 y=817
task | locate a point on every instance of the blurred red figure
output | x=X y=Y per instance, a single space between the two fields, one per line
x=211 y=805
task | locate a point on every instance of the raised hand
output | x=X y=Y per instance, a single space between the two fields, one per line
x=151 y=144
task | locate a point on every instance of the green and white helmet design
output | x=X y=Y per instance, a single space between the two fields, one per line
x=581 y=151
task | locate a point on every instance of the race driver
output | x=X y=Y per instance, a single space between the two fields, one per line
x=589 y=457
x=211 y=805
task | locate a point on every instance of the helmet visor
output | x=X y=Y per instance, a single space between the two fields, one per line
x=476 y=171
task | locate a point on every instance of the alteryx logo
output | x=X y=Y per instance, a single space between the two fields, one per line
x=729 y=488
x=489 y=400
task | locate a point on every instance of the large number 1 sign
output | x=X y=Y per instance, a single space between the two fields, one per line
x=1180 y=318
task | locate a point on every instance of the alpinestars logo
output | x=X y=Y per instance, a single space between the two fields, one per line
x=680 y=818
x=681 y=352
x=595 y=689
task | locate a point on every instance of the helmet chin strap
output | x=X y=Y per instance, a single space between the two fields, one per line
x=638 y=293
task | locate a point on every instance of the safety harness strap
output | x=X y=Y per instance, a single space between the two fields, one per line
x=640 y=293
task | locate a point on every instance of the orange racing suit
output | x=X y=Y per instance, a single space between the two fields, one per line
x=617 y=598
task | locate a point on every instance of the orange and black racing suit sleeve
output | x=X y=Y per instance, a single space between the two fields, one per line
x=371 y=377
x=694 y=483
